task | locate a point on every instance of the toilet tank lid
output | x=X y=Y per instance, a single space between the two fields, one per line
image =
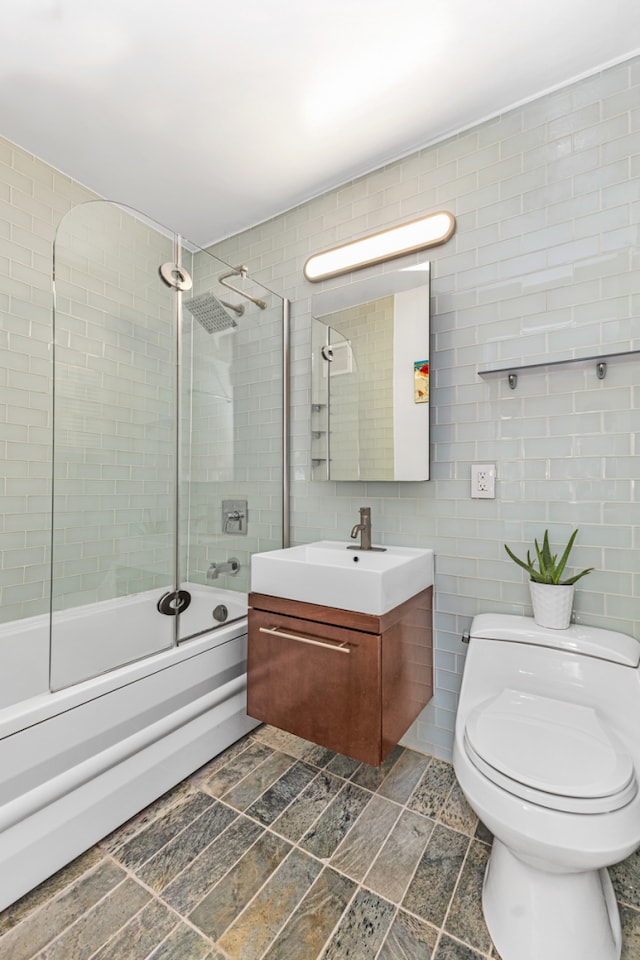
x=578 y=638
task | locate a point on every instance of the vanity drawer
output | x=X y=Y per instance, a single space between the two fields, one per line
x=352 y=682
x=318 y=681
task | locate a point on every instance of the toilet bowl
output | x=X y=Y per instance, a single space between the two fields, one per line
x=547 y=754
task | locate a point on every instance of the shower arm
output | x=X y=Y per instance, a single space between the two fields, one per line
x=240 y=272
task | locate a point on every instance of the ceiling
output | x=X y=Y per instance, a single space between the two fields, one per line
x=210 y=116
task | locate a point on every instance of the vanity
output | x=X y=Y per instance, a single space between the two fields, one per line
x=340 y=645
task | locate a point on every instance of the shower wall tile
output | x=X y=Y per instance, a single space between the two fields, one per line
x=115 y=404
x=33 y=197
x=542 y=266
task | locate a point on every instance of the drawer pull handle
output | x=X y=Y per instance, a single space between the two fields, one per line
x=293 y=636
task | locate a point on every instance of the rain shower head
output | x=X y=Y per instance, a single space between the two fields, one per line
x=211 y=314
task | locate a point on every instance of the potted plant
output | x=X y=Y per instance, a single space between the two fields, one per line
x=551 y=593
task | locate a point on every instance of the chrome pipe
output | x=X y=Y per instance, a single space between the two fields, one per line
x=243 y=272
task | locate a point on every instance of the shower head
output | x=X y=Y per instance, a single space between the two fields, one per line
x=211 y=314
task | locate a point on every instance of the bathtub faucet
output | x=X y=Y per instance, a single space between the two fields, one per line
x=231 y=566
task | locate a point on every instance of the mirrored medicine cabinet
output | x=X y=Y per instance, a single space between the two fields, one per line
x=370 y=379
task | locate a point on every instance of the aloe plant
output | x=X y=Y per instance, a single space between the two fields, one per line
x=549 y=569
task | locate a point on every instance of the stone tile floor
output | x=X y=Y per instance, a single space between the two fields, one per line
x=282 y=850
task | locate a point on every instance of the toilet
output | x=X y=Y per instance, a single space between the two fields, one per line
x=547 y=753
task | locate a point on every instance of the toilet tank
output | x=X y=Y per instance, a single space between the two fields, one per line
x=577 y=639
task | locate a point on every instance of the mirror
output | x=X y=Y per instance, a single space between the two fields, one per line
x=370 y=381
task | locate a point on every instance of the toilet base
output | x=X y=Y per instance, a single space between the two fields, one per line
x=533 y=915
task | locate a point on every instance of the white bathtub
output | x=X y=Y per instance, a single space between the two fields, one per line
x=77 y=763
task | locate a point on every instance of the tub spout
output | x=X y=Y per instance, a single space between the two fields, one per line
x=231 y=566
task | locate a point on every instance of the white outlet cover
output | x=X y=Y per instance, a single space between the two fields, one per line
x=483 y=481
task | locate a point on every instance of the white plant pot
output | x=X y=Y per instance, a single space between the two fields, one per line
x=552 y=604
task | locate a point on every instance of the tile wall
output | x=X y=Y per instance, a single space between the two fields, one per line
x=115 y=390
x=33 y=199
x=115 y=401
x=544 y=266
x=233 y=448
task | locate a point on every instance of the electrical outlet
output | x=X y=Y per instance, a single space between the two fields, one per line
x=483 y=481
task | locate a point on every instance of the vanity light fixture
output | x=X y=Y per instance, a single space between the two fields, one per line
x=428 y=231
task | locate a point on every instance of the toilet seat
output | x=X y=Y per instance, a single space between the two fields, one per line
x=553 y=753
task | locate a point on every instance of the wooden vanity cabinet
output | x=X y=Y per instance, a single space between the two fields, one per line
x=349 y=681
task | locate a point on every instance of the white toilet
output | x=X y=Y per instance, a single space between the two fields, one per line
x=547 y=752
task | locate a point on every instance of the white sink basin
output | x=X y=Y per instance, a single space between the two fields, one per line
x=328 y=573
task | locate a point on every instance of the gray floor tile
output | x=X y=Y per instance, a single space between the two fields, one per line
x=152 y=838
x=95 y=928
x=184 y=943
x=449 y=949
x=404 y=776
x=46 y=891
x=153 y=812
x=200 y=778
x=626 y=879
x=431 y=889
x=464 y=920
x=309 y=927
x=294 y=746
x=318 y=756
x=241 y=795
x=371 y=778
x=334 y=824
x=362 y=844
x=432 y=792
x=55 y=916
x=308 y=806
x=362 y=929
x=256 y=928
x=224 y=776
x=483 y=833
x=179 y=852
x=279 y=795
x=457 y=813
x=407 y=857
x=228 y=898
x=342 y=766
x=141 y=935
x=408 y=939
x=194 y=883
x=630 y=920
x=394 y=867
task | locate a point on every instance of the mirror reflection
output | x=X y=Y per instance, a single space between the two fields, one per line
x=370 y=389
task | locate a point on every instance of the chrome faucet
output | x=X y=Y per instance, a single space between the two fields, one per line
x=364 y=528
x=231 y=566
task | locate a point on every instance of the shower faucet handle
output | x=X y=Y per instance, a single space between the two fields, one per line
x=234 y=517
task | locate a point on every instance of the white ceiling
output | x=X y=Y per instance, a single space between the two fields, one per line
x=211 y=116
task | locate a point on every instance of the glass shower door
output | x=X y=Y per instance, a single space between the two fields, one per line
x=231 y=494
x=115 y=442
x=168 y=459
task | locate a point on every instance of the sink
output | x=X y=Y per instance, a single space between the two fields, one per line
x=328 y=573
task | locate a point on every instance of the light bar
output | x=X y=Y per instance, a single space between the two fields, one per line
x=395 y=242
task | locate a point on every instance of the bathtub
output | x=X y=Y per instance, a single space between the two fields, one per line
x=76 y=763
